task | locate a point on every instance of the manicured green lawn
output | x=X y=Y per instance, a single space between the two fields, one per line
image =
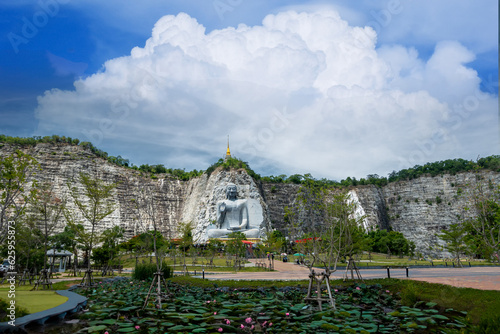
x=220 y=264
x=38 y=300
x=35 y=301
x=364 y=260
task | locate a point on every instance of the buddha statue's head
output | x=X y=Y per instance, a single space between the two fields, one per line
x=231 y=191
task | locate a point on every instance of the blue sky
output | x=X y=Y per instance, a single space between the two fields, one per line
x=334 y=88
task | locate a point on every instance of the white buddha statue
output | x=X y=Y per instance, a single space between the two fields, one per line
x=232 y=216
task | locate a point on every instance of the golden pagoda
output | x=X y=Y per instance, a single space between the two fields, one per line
x=228 y=152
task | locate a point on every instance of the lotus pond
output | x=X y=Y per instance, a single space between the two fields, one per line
x=116 y=307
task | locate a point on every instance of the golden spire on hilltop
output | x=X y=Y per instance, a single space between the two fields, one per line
x=228 y=152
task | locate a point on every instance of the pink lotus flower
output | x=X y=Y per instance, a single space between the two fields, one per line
x=252 y=327
x=106 y=333
x=358 y=288
x=137 y=327
x=242 y=326
x=220 y=329
x=387 y=291
x=215 y=313
x=335 y=290
x=287 y=314
x=270 y=324
x=248 y=320
x=228 y=322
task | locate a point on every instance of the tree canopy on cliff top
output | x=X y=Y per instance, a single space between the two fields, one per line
x=449 y=166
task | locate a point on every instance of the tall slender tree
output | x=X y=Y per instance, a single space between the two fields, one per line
x=336 y=233
x=185 y=232
x=454 y=237
x=94 y=203
x=47 y=210
x=110 y=245
x=16 y=172
x=151 y=219
x=483 y=223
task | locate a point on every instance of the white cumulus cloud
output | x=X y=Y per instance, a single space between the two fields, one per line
x=302 y=92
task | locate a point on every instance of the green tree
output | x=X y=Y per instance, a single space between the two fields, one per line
x=47 y=211
x=81 y=237
x=236 y=247
x=29 y=244
x=484 y=224
x=274 y=241
x=16 y=171
x=390 y=242
x=454 y=237
x=151 y=219
x=185 y=231
x=330 y=227
x=344 y=232
x=94 y=204
x=110 y=247
x=213 y=247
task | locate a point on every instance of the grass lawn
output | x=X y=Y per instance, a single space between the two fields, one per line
x=382 y=260
x=364 y=260
x=38 y=300
x=220 y=264
x=35 y=301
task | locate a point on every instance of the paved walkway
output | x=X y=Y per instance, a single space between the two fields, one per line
x=484 y=278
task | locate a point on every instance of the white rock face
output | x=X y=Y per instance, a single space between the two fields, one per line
x=360 y=211
x=204 y=193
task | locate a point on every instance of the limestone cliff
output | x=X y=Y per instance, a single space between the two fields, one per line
x=418 y=208
x=421 y=208
x=61 y=165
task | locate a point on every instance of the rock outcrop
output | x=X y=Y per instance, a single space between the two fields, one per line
x=206 y=191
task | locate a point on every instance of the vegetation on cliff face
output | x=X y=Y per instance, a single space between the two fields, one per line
x=450 y=166
x=118 y=160
x=229 y=163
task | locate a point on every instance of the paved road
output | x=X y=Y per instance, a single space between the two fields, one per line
x=485 y=278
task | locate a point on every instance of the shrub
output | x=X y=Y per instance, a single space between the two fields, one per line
x=20 y=312
x=487 y=326
x=147 y=270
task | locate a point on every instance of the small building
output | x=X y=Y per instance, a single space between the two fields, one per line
x=58 y=257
